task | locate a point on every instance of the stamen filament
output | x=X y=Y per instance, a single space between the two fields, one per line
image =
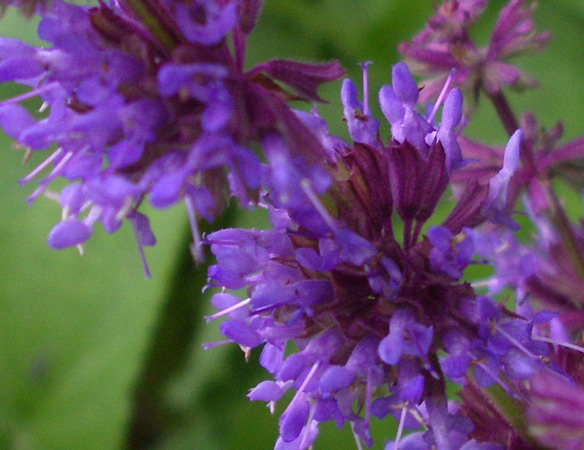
x=366 y=109
x=400 y=427
x=208 y=345
x=196 y=246
x=41 y=166
x=562 y=344
x=227 y=310
x=29 y=94
x=320 y=208
x=515 y=342
x=51 y=176
x=356 y=437
x=441 y=96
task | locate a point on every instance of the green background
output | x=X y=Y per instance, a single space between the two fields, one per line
x=84 y=340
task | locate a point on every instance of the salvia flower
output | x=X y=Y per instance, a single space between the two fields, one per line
x=547 y=270
x=542 y=158
x=351 y=317
x=140 y=108
x=445 y=43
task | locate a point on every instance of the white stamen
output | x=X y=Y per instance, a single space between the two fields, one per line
x=320 y=208
x=41 y=166
x=305 y=382
x=93 y=215
x=196 y=247
x=480 y=284
x=562 y=344
x=126 y=208
x=52 y=195
x=497 y=379
x=51 y=176
x=441 y=96
x=356 y=437
x=400 y=427
x=515 y=342
x=209 y=345
x=227 y=310
x=307 y=427
x=29 y=94
x=366 y=110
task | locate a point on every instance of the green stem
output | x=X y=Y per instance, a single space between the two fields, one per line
x=170 y=347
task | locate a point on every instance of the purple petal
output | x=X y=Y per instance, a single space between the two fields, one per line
x=167 y=190
x=125 y=153
x=218 y=111
x=240 y=332
x=69 y=233
x=141 y=225
x=13 y=48
x=455 y=366
x=173 y=77
x=473 y=445
x=404 y=86
x=391 y=348
x=266 y=391
x=217 y=23
x=412 y=390
x=72 y=197
x=498 y=184
x=335 y=378
x=293 y=420
x=271 y=358
x=292 y=367
x=452 y=111
x=14 y=119
x=391 y=106
x=19 y=69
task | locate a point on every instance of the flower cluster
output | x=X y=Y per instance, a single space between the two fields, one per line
x=357 y=294
x=162 y=110
x=370 y=312
x=445 y=43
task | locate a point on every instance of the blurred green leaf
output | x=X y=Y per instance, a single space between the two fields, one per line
x=73 y=329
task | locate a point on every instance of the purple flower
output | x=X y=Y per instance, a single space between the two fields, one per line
x=450 y=253
x=445 y=44
x=362 y=126
x=368 y=312
x=138 y=110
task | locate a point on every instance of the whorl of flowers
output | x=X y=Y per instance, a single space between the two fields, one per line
x=354 y=318
x=159 y=108
x=445 y=44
